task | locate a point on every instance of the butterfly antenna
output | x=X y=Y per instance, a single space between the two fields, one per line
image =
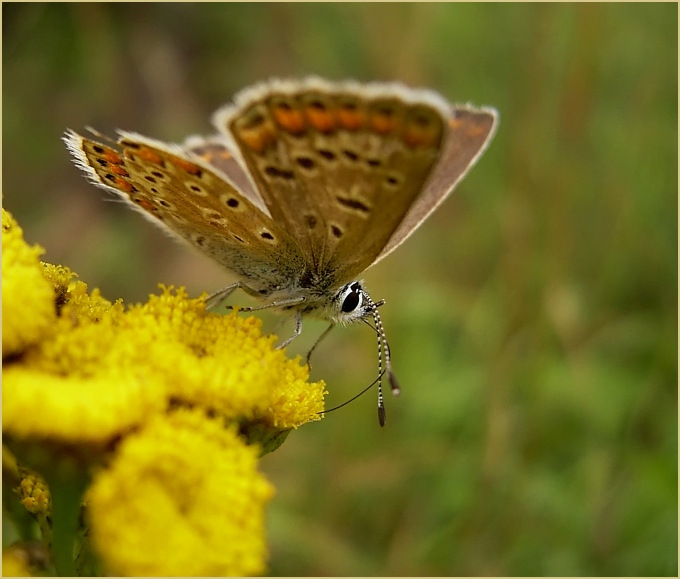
x=383 y=351
x=353 y=398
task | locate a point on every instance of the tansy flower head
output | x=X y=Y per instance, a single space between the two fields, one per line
x=181 y=497
x=102 y=370
x=15 y=563
x=27 y=298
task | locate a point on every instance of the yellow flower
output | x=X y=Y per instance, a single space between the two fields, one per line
x=94 y=380
x=165 y=393
x=233 y=369
x=14 y=563
x=103 y=371
x=181 y=497
x=33 y=492
x=28 y=308
x=81 y=305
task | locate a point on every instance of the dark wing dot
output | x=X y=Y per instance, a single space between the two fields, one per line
x=157 y=174
x=98 y=149
x=103 y=162
x=422 y=119
x=231 y=202
x=306 y=162
x=150 y=179
x=195 y=188
x=336 y=231
x=254 y=121
x=266 y=235
x=237 y=238
x=351 y=155
x=164 y=203
x=385 y=110
x=276 y=172
x=311 y=221
x=355 y=204
x=326 y=154
x=373 y=162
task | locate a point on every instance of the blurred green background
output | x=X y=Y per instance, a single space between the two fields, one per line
x=532 y=320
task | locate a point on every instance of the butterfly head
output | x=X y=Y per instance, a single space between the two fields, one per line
x=352 y=303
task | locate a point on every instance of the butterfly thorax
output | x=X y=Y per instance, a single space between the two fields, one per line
x=315 y=296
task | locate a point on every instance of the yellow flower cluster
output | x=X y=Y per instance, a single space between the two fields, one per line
x=33 y=492
x=158 y=392
x=23 y=286
x=180 y=516
x=14 y=564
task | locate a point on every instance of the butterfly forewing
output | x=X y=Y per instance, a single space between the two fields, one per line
x=339 y=169
x=216 y=153
x=468 y=133
x=192 y=201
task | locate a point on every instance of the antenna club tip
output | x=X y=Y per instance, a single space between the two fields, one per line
x=394 y=384
x=381 y=415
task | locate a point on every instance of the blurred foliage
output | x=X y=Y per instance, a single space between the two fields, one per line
x=533 y=320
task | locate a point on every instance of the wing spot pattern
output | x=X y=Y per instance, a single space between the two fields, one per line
x=275 y=172
x=353 y=204
x=326 y=154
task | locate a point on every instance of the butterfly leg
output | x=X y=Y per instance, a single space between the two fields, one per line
x=318 y=340
x=215 y=299
x=296 y=332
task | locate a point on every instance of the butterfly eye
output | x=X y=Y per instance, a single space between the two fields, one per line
x=353 y=299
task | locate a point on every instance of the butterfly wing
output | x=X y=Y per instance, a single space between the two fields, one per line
x=214 y=151
x=192 y=200
x=339 y=164
x=468 y=134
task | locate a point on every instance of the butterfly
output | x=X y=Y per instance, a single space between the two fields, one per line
x=305 y=186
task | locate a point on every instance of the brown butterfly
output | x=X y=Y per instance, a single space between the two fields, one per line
x=307 y=184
